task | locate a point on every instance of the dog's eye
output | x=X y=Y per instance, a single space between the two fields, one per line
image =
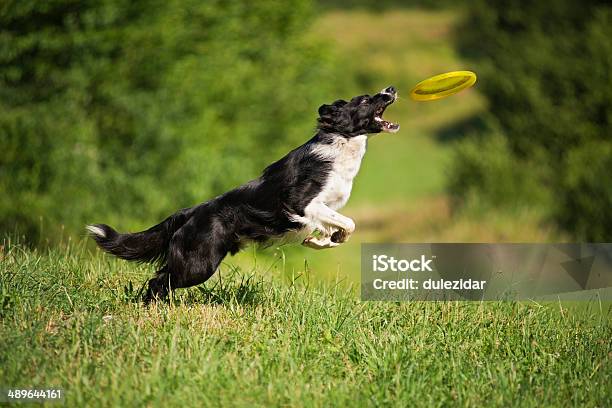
x=363 y=101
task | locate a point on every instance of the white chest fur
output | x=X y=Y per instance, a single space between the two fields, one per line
x=346 y=156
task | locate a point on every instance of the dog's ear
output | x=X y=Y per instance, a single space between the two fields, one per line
x=326 y=110
x=331 y=115
x=340 y=103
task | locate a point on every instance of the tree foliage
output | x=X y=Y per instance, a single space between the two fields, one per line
x=545 y=69
x=122 y=111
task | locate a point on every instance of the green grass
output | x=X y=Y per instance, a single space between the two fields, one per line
x=68 y=319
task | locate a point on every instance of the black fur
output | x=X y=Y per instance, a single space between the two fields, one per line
x=189 y=245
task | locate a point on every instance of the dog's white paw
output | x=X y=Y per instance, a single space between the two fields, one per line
x=340 y=236
x=319 y=243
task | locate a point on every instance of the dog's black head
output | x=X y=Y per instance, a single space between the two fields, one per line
x=363 y=114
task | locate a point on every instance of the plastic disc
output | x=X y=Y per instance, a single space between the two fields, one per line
x=443 y=85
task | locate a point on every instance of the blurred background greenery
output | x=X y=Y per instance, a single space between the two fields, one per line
x=122 y=112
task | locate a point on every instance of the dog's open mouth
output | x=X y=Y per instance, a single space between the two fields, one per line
x=386 y=125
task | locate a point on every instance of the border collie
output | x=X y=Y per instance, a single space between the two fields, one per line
x=300 y=193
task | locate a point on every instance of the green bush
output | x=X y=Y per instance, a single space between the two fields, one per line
x=586 y=192
x=545 y=69
x=489 y=176
x=123 y=111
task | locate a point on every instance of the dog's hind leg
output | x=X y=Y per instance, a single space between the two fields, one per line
x=197 y=266
x=195 y=252
x=190 y=271
x=158 y=287
x=320 y=243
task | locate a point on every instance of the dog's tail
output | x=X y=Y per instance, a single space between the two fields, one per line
x=146 y=246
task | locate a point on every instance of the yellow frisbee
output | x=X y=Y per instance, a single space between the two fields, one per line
x=443 y=85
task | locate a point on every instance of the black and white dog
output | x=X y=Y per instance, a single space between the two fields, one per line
x=300 y=193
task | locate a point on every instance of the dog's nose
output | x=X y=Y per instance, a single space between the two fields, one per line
x=390 y=90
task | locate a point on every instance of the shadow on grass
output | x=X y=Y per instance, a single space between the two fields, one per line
x=228 y=287
x=236 y=288
x=231 y=287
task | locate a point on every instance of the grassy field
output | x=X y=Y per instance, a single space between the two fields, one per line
x=284 y=327
x=68 y=319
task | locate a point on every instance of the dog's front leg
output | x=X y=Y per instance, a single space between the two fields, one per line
x=324 y=215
